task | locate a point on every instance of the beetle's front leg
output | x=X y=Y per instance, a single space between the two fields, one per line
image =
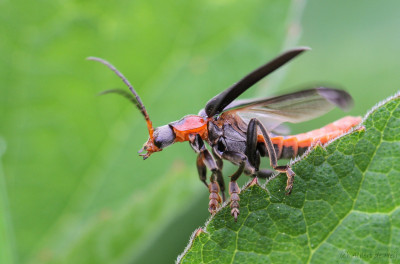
x=251 y=147
x=240 y=159
x=220 y=178
x=205 y=160
x=202 y=169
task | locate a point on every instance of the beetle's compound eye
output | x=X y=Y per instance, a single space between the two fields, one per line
x=164 y=136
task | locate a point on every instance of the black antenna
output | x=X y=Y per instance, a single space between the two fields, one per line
x=136 y=100
x=123 y=93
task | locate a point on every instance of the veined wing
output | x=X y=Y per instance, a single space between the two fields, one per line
x=294 y=107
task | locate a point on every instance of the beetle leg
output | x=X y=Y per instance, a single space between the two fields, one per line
x=213 y=187
x=201 y=169
x=252 y=153
x=264 y=173
x=220 y=179
x=271 y=153
x=206 y=160
x=215 y=198
x=234 y=190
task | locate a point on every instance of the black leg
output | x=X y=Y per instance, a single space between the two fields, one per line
x=206 y=160
x=214 y=197
x=252 y=153
x=234 y=190
x=264 y=173
x=220 y=178
x=221 y=183
x=252 y=144
x=202 y=169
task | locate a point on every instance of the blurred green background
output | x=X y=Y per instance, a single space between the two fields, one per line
x=73 y=189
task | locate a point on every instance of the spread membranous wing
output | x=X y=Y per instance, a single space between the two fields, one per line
x=294 y=107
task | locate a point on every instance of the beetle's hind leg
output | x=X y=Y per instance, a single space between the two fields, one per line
x=251 y=152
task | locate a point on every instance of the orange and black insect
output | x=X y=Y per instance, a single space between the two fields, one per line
x=243 y=131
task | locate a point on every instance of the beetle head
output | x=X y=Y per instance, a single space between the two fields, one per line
x=163 y=136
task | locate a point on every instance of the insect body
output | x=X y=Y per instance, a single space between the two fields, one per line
x=243 y=131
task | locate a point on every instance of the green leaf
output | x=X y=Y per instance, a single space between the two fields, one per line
x=344 y=207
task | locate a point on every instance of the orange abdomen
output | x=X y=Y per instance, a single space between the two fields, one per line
x=291 y=146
